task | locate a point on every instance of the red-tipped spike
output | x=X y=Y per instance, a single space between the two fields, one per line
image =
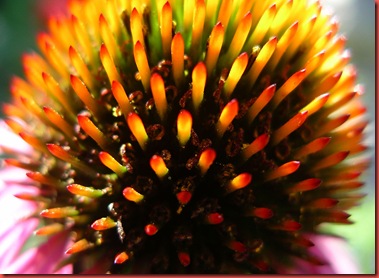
x=108 y=64
x=316 y=104
x=177 y=54
x=335 y=216
x=240 y=181
x=31 y=197
x=85 y=96
x=59 y=122
x=79 y=246
x=305 y=185
x=263 y=24
x=290 y=126
x=304 y=242
x=240 y=35
x=261 y=102
x=332 y=106
x=33 y=141
x=344 y=176
x=261 y=265
x=284 y=170
x=322 y=203
x=215 y=218
x=132 y=195
x=328 y=83
x=158 y=165
x=80 y=67
x=15 y=126
x=34 y=109
x=121 y=258
x=62 y=154
x=151 y=229
x=312 y=147
x=142 y=64
x=122 y=98
x=216 y=40
x=55 y=90
x=206 y=159
x=184 y=197
x=197 y=28
x=283 y=43
x=62 y=212
x=83 y=37
x=236 y=71
x=107 y=36
x=261 y=60
x=184 y=126
x=104 y=223
x=166 y=28
x=81 y=190
x=159 y=94
x=93 y=131
x=225 y=12
x=55 y=59
x=264 y=213
x=136 y=26
x=17 y=163
x=290 y=225
x=331 y=124
x=137 y=128
x=257 y=145
x=112 y=163
x=330 y=160
x=347 y=186
x=199 y=78
x=228 y=114
x=237 y=246
x=184 y=258
x=49 y=229
x=314 y=62
x=44 y=179
x=281 y=16
x=288 y=86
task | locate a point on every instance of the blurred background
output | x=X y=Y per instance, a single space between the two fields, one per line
x=20 y=20
x=357 y=22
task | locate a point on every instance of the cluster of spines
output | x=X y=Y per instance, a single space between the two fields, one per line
x=248 y=72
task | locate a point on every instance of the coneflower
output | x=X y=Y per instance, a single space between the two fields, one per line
x=189 y=136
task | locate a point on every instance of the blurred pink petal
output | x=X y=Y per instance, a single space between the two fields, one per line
x=13 y=209
x=44 y=259
x=16 y=224
x=49 y=8
x=334 y=251
x=12 y=241
x=10 y=140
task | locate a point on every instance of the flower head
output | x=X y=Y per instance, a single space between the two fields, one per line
x=189 y=136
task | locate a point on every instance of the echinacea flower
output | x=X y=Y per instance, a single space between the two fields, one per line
x=185 y=137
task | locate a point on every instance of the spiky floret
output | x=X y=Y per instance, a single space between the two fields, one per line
x=190 y=136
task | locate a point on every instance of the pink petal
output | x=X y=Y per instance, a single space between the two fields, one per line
x=12 y=141
x=13 y=175
x=337 y=252
x=44 y=259
x=333 y=250
x=13 y=209
x=12 y=241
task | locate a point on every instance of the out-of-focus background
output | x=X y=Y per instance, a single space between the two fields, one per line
x=357 y=22
x=20 y=20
